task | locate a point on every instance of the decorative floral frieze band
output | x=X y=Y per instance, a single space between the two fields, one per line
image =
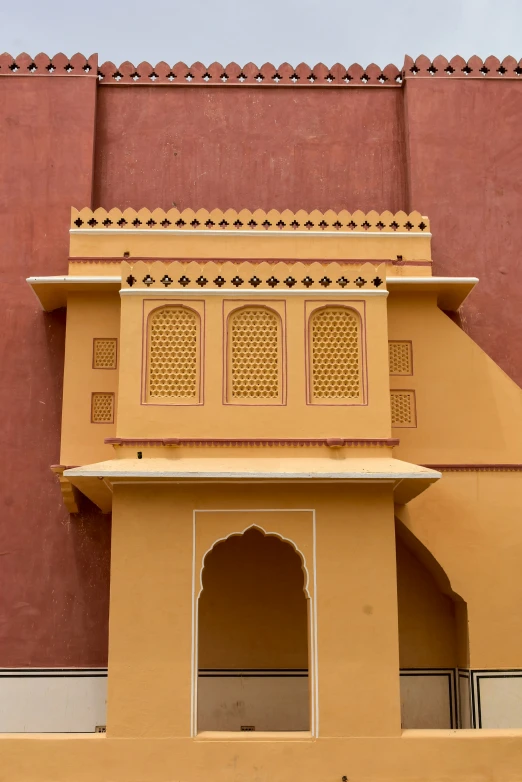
x=245 y=220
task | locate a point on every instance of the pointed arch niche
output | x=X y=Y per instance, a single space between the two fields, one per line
x=254 y=622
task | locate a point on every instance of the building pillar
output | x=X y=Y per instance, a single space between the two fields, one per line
x=358 y=646
x=149 y=689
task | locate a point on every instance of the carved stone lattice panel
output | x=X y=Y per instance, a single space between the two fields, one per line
x=173 y=353
x=104 y=353
x=400 y=358
x=403 y=408
x=255 y=354
x=102 y=407
x=335 y=343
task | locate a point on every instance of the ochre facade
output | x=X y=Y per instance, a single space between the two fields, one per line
x=313 y=475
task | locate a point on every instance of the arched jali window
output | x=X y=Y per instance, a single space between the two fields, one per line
x=174 y=356
x=254 y=361
x=335 y=356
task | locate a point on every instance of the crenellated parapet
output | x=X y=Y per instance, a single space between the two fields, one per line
x=247 y=276
x=43 y=65
x=182 y=74
x=245 y=220
x=459 y=68
x=230 y=235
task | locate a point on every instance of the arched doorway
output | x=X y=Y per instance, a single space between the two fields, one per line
x=253 y=637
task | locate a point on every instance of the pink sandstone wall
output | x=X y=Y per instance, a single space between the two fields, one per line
x=464 y=163
x=53 y=571
x=249 y=147
x=446 y=145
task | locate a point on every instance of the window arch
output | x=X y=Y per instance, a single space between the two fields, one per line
x=335 y=356
x=174 y=355
x=254 y=361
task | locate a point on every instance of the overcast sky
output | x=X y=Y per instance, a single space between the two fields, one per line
x=276 y=31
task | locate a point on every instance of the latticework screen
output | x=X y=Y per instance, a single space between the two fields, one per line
x=104 y=353
x=173 y=354
x=335 y=354
x=400 y=358
x=403 y=408
x=102 y=408
x=255 y=354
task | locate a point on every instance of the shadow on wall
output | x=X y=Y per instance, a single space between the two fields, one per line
x=433 y=638
x=253 y=636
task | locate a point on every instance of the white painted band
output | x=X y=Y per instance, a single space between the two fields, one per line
x=68 y=279
x=184 y=475
x=431 y=280
x=221 y=232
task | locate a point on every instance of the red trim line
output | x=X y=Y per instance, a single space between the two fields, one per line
x=475 y=467
x=332 y=442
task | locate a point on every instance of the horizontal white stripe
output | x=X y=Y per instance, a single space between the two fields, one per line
x=222 y=232
x=432 y=280
x=376 y=476
x=68 y=279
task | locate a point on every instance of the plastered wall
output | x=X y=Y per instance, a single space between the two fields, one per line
x=427 y=617
x=151 y=655
x=55 y=588
x=468 y=413
x=468 y=410
x=470 y=523
x=294 y=417
x=88 y=318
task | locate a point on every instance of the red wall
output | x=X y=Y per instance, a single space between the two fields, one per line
x=53 y=569
x=447 y=147
x=250 y=148
x=465 y=172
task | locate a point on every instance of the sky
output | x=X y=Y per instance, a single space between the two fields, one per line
x=276 y=31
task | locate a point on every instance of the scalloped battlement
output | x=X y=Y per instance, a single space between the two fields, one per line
x=244 y=220
x=285 y=75
x=43 y=65
x=458 y=67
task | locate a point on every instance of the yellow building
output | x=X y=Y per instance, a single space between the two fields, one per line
x=314 y=479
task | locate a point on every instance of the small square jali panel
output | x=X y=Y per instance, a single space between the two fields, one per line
x=102 y=408
x=403 y=409
x=400 y=358
x=104 y=353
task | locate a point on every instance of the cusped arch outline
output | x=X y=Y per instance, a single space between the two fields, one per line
x=237 y=534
